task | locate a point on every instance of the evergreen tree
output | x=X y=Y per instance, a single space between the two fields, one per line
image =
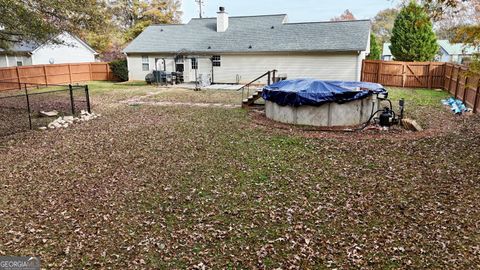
x=413 y=38
x=375 y=51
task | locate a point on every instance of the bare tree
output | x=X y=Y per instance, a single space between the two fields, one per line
x=347 y=15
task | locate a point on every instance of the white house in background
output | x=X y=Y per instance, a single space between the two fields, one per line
x=455 y=52
x=386 y=53
x=239 y=49
x=72 y=50
x=449 y=52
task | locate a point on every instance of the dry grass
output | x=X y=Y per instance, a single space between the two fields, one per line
x=178 y=187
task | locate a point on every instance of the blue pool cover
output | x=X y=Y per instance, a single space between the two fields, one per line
x=313 y=92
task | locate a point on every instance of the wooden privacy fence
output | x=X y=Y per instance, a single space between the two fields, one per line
x=450 y=77
x=54 y=74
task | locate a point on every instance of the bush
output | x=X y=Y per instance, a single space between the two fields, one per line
x=413 y=38
x=120 y=69
x=375 y=51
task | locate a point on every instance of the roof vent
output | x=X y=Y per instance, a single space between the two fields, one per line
x=273 y=27
x=250 y=47
x=161 y=29
x=209 y=47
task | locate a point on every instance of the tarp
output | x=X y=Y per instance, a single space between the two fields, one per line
x=316 y=92
x=457 y=106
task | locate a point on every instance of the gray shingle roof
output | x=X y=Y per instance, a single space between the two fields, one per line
x=30 y=46
x=456 y=48
x=23 y=47
x=266 y=33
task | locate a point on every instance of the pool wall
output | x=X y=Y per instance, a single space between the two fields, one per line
x=327 y=115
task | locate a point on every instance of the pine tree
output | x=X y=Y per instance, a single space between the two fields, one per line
x=413 y=38
x=375 y=51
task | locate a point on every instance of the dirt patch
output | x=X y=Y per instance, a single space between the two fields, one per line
x=188 y=104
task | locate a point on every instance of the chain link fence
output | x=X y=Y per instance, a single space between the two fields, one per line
x=26 y=108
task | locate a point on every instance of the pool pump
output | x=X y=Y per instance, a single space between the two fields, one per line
x=388 y=117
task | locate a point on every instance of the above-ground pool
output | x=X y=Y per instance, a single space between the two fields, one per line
x=321 y=103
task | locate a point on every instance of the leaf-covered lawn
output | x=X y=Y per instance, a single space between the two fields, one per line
x=179 y=187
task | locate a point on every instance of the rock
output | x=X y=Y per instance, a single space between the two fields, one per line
x=42 y=128
x=57 y=124
x=49 y=114
x=68 y=118
x=411 y=125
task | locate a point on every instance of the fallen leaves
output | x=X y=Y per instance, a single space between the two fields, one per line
x=179 y=187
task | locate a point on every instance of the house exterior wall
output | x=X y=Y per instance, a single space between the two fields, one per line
x=387 y=58
x=72 y=51
x=242 y=68
x=12 y=60
x=155 y=62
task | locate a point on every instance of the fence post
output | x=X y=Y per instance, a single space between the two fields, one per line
x=475 y=103
x=108 y=71
x=451 y=79
x=72 y=102
x=70 y=73
x=269 y=78
x=274 y=73
x=46 y=76
x=18 y=78
x=458 y=81
x=90 y=70
x=379 y=72
x=449 y=87
x=28 y=106
x=429 y=83
x=87 y=96
x=465 y=89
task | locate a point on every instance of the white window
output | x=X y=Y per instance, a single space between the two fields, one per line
x=145 y=64
x=19 y=63
x=216 y=60
x=194 y=63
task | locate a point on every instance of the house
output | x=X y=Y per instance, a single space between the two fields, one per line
x=386 y=53
x=455 y=52
x=239 y=49
x=71 y=50
x=449 y=52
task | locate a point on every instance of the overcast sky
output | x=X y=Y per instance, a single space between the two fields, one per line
x=297 y=10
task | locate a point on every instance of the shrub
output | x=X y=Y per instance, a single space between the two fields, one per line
x=375 y=51
x=413 y=38
x=120 y=69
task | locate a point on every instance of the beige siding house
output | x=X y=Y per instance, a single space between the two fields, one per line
x=239 y=49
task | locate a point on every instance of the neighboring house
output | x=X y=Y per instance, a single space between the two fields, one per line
x=72 y=50
x=386 y=53
x=239 y=49
x=454 y=53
